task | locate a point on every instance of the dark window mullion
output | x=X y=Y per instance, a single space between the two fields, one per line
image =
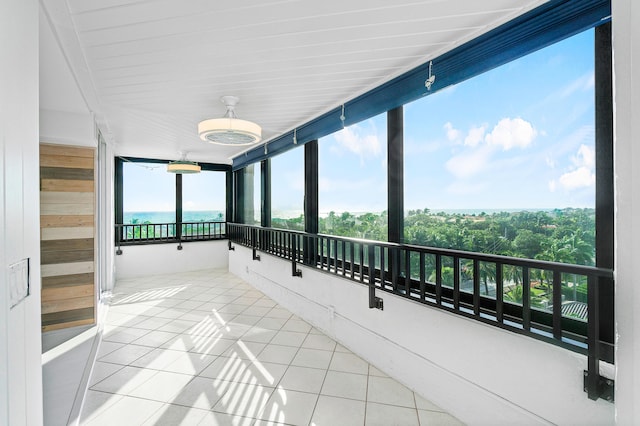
x=311 y=187
x=178 y=206
x=265 y=193
x=604 y=176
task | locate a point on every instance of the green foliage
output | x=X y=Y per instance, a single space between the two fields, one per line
x=566 y=235
x=560 y=235
x=369 y=226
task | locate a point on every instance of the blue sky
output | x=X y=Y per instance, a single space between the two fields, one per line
x=148 y=187
x=518 y=137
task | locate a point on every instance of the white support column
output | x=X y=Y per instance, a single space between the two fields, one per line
x=20 y=344
x=626 y=97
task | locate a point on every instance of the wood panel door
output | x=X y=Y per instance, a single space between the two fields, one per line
x=67 y=230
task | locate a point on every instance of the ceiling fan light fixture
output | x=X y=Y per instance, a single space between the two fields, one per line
x=183 y=167
x=229 y=130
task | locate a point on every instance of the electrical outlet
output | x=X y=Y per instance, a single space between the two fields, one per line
x=18 y=282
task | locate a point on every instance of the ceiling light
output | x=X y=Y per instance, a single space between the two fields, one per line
x=183 y=166
x=229 y=130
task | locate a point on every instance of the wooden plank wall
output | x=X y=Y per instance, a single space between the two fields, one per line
x=67 y=219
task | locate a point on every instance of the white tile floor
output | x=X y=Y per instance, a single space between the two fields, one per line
x=205 y=348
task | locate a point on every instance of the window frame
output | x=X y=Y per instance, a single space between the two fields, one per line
x=119 y=200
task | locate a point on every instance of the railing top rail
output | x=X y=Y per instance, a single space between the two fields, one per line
x=171 y=223
x=208 y=222
x=145 y=224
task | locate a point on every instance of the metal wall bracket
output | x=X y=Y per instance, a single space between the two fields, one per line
x=376 y=303
x=295 y=272
x=231 y=248
x=256 y=256
x=604 y=388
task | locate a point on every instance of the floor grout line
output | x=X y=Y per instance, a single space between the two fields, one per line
x=220 y=305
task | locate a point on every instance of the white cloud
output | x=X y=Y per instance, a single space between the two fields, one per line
x=579 y=178
x=452 y=133
x=475 y=136
x=581 y=173
x=586 y=157
x=510 y=133
x=480 y=150
x=469 y=163
x=353 y=139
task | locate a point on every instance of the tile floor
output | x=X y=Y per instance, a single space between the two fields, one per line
x=206 y=348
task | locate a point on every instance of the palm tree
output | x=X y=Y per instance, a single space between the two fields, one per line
x=514 y=294
x=487 y=272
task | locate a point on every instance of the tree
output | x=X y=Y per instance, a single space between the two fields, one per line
x=527 y=244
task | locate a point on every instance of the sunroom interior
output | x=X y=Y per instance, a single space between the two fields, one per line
x=435 y=225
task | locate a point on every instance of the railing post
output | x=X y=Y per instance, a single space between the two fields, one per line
x=476 y=287
x=499 y=294
x=394 y=267
x=230 y=235
x=295 y=272
x=307 y=250
x=119 y=231
x=556 y=292
x=595 y=385
x=374 y=302
x=438 y=279
x=456 y=283
x=254 y=242
x=526 y=299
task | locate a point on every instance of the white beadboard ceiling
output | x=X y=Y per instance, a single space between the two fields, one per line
x=152 y=69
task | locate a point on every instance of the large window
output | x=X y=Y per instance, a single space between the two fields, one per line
x=204 y=197
x=287 y=190
x=149 y=193
x=504 y=163
x=251 y=194
x=149 y=201
x=352 y=186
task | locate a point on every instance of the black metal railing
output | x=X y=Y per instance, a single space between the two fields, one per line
x=535 y=298
x=150 y=233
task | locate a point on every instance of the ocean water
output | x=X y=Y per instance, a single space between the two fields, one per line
x=216 y=215
x=170 y=217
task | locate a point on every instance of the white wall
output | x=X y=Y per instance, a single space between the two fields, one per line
x=479 y=373
x=67 y=128
x=20 y=347
x=626 y=56
x=153 y=259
